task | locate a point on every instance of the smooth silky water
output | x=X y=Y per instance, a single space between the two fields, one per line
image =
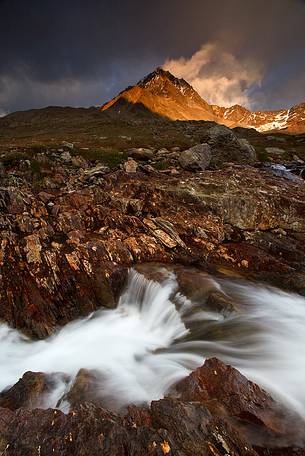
x=156 y=336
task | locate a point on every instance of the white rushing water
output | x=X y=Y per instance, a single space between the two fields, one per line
x=156 y=337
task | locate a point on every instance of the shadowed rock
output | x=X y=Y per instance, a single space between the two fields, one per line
x=196 y=158
x=30 y=391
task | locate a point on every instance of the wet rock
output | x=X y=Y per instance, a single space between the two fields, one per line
x=85 y=388
x=29 y=392
x=177 y=428
x=219 y=302
x=226 y=392
x=193 y=430
x=196 y=159
x=219 y=413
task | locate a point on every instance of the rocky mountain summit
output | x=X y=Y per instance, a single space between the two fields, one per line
x=162 y=93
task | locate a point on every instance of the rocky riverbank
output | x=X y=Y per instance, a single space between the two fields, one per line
x=214 y=412
x=70 y=229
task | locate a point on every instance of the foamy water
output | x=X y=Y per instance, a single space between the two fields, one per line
x=156 y=337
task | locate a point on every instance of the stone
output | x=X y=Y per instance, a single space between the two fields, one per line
x=45 y=197
x=226 y=147
x=196 y=158
x=79 y=162
x=85 y=388
x=97 y=171
x=30 y=391
x=274 y=151
x=130 y=166
x=33 y=248
x=141 y=153
x=66 y=157
x=224 y=390
x=68 y=145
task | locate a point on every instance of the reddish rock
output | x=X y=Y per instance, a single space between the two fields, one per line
x=219 y=413
x=29 y=392
x=85 y=388
x=178 y=429
x=62 y=261
x=227 y=393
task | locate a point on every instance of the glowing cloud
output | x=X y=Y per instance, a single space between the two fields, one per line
x=219 y=76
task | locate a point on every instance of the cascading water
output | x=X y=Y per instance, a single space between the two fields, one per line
x=156 y=336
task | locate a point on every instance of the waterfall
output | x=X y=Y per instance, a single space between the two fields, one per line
x=156 y=336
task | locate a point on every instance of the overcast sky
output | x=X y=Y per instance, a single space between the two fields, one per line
x=82 y=52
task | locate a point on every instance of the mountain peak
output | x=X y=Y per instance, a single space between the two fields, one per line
x=159 y=76
x=163 y=94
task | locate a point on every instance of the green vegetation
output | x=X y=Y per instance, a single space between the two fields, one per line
x=160 y=165
x=110 y=157
x=261 y=153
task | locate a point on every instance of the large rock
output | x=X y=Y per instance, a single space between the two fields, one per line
x=31 y=391
x=226 y=392
x=219 y=413
x=226 y=147
x=85 y=388
x=196 y=158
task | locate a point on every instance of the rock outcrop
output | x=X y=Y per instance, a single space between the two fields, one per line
x=217 y=412
x=68 y=239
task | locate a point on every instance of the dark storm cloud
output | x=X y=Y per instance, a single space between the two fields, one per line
x=81 y=52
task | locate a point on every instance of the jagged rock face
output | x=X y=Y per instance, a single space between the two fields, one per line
x=28 y=392
x=217 y=412
x=292 y=120
x=65 y=249
x=162 y=93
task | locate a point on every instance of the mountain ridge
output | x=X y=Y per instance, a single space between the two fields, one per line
x=168 y=96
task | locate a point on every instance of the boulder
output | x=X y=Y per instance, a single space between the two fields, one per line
x=226 y=392
x=29 y=392
x=85 y=388
x=196 y=158
x=226 y=147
